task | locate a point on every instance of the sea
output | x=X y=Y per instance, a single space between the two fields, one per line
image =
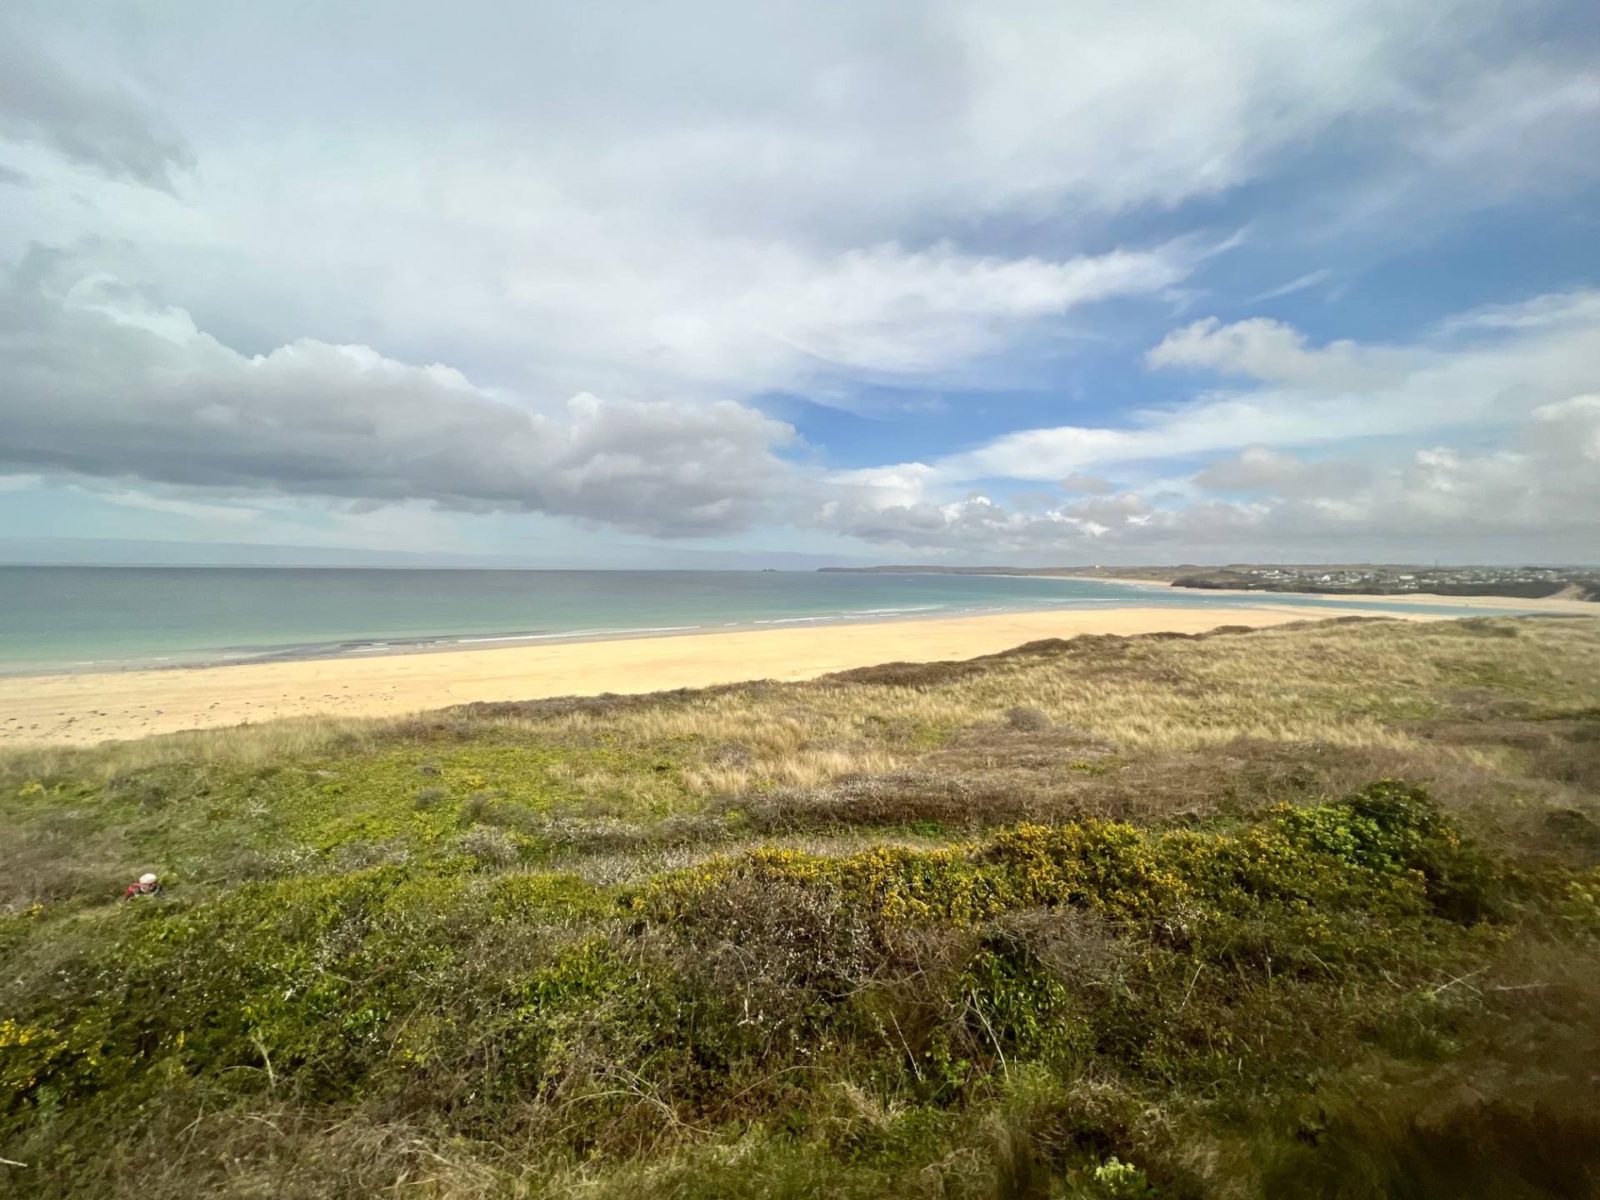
x=111 y=618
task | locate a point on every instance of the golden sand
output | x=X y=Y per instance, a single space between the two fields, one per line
x=87 y=708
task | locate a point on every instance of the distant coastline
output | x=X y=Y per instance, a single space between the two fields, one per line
x=1361 y=581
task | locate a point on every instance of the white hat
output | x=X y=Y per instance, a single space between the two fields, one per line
x=147 y=877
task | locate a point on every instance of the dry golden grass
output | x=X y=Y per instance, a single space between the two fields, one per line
x=244 y=746
x=1346 y=685
x=1349 y=684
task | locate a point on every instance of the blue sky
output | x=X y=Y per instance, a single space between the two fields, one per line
x=730 y=285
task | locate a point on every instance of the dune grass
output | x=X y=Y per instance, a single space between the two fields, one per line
x=1310 y=911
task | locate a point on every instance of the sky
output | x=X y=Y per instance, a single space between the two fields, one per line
x=717 y=284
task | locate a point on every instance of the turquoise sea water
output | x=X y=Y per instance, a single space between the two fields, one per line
x=99 y=618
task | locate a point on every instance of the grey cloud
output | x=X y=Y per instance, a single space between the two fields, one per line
x=1567 y=432
x=93 y=123
x=1084 y=483
x=102 y=384
x=951 y=105
x=1262 y=469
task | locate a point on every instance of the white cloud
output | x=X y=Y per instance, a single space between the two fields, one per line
x=888 y=310
x=1300 y=283
x=1264 y=349
x=1537 y=496
x=617 y=202
x=1121 y=105
x=1518 y=125
x=747 y=317
x=1484 y=371
x=1518 y=378
x=975 y=526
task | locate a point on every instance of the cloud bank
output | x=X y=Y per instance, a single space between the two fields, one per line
x=606 y=265
x=103 y=384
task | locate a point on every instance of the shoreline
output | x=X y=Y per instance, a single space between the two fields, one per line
x=87 y=708
x=354 y=650
x=357 y=650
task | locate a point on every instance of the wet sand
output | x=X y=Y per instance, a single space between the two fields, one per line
x=83 y=709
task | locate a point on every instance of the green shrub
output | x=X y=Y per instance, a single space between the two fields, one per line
x=1235 y=962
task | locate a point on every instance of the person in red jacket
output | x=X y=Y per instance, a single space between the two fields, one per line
x=148 y=885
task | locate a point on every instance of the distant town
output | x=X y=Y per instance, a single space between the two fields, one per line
x=1363 y=579
x=1583 y=584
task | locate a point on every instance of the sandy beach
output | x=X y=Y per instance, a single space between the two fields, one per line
x=87 y=708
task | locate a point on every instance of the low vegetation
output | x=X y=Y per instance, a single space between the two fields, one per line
x=1306 y=912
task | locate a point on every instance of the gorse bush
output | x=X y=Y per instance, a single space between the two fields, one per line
x=1386 y=850
x=708 y=994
